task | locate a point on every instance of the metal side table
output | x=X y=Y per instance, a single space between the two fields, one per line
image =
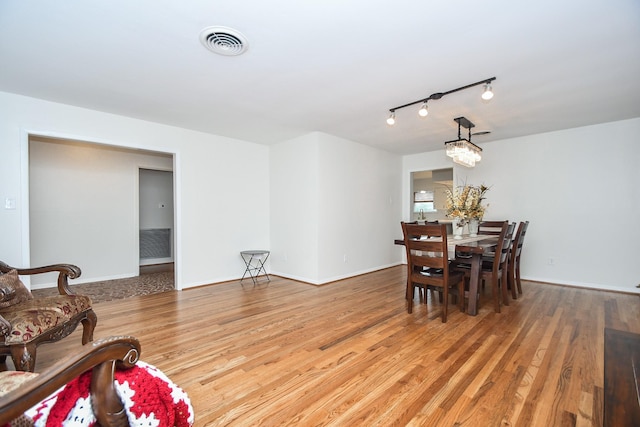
x=254 y=261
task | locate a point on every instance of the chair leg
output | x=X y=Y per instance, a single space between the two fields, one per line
x=88 y=325
x=518 y=278
x=410 y=292
x=511 y=280
x=503 y=287
x=445 y=303
x=461 y=295
x=24 y=357
x=496 y=294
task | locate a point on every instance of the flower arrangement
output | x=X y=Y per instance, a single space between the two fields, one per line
x=465 y=203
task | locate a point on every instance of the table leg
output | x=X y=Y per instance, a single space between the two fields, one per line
x=262 y=262
x=474 y=282
x=255 y=261
x=248 y=268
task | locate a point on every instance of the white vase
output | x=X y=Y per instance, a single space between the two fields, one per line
x=458 y=228
x=473 y=227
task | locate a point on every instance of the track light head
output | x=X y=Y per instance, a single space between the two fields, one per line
x=488 y=92
x=423 y=111
x=391 y=120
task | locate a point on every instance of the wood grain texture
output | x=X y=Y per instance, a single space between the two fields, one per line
x=348 y=354
x=621 y=378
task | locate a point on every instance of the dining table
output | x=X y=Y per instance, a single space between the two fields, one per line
x=471 y=248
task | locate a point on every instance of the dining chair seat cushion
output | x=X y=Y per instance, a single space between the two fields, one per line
x=30 y=319
x=12 y=290
x=150 y=399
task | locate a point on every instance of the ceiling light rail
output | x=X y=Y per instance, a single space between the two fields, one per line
x=487 y=94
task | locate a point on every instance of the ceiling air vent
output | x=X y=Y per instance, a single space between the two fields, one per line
x=223 y=40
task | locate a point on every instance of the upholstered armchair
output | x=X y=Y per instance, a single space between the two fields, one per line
x=26 y=322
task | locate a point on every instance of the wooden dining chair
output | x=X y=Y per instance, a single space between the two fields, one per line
x=490 y=228
x=494 y=228
x=428 y=264
x=514 y=260
x=494 y=267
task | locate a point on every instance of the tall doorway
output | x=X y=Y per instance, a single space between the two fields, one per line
x=156 y=219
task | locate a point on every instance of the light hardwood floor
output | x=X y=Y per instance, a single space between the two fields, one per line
x=348 y=354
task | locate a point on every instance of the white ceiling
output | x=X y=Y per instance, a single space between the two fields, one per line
x=335 y=66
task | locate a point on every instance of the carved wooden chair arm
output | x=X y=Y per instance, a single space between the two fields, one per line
x=65 y=272
x=101 y=355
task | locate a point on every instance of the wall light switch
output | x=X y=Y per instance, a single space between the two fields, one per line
x=9 y=203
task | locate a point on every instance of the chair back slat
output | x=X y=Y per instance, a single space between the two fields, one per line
x=493 y=228
x=506 y=244
x=519 y=240
x=502 y=248
x=426 y=245
x=514 y=259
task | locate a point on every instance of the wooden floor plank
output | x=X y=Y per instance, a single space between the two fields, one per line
x=348 y=353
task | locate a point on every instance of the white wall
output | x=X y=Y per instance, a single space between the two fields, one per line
x=215 y=177
x=580 y=190
x=360 y=192
x=332 y=200
x=294 y=208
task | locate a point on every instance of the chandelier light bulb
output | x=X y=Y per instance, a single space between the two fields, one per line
x=391 y=120
x=488 y=92
x=423 y=111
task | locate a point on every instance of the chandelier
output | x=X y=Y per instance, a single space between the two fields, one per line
x=462 y=150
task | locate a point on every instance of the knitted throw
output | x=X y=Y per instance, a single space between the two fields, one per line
x=150 y=399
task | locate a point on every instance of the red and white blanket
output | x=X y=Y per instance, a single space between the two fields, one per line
x=150 y=399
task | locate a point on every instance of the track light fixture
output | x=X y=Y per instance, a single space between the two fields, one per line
x=391 y=120
x=486 y=95
x=488 y=92
x=423 y=111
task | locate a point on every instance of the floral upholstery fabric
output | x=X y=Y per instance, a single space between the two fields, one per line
x=34 y=317
x=11 y=380
x=5 y=327
x=12 y=290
